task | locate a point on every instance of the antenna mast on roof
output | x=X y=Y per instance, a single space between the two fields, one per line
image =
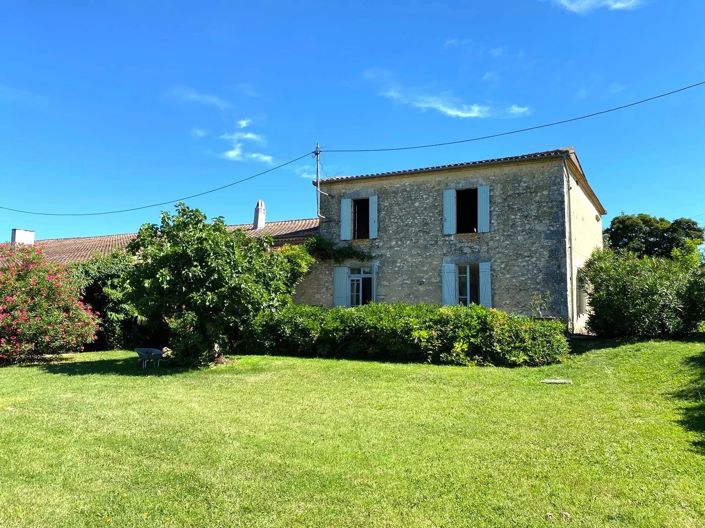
x=317 y=154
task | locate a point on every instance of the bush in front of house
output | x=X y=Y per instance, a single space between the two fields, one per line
x=203 y=283
x=102 y=282
x=40 y=309
x=644 y=297
x=455 y=335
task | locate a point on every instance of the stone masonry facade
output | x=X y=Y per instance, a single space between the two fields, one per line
x=532 y=241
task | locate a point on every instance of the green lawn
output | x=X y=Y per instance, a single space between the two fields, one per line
x=276 y=441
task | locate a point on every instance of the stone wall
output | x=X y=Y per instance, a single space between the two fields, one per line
x=526 y=243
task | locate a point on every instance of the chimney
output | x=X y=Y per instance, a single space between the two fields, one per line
x=22 y=236
x=260 y=215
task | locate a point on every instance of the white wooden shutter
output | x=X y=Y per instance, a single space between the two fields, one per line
x=341 y=286
x=449 y=216
x=373 y=216
x=485 y=284
x=345 y=219
x=483 y=209
x=374 y=282
x=449 y=284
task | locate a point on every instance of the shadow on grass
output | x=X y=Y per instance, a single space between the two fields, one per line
x=582 y=344
x=694 y=397
x=112 y=367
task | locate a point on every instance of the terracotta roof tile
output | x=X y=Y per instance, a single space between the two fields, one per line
x=80 y=249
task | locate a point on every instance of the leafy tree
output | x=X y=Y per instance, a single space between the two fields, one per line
x=40 y=309
x=648 y=236
x=102 y=283
x=204 y=283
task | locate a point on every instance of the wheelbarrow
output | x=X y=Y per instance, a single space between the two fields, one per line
x=146 y=355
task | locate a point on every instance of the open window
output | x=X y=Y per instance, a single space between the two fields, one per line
x=466 y=210
x=360 y=286
x=358 y=218
x=354 y=286
x=361 y=218
x=468 y=284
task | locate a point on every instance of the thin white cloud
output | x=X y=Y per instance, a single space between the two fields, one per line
x=185 y=94
x=517 y=110
x=234 y=154
x=198 y=133
x=456 y=43
x=237 y=151
x=243 y=136
x=497 y=52
x=491 y=76
x=264 y=158
x=244 y=123
x=443 y=104
x=14 y=95
x=305 y=172
x=585 y=6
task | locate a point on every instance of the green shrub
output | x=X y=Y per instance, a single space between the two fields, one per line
x=40 y=309
x=415 y=333
x=644 y=297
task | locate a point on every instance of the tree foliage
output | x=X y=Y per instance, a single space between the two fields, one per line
x=102 y=283
x=633 y=296
x=40 y=309
x=203 y=283
x=648 y=236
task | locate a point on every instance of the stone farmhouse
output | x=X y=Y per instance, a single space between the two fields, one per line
x=510 y=233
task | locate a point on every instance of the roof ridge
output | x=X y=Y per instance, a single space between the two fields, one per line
x=518 y=157
x=135 y=233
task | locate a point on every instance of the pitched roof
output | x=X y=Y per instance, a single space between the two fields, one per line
x=547 y=154
x=81 y=249
x=565 y=153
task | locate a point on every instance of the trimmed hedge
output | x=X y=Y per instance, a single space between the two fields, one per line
x=454 y=335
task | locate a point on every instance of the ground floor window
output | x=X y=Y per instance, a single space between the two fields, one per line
x=468 y=284
x=354 y=286
x=360 y=286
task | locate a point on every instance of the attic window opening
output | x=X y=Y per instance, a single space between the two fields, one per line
x=361 y=218
x=466 y=211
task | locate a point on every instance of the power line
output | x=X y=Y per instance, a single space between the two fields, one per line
x=387 y=149
x=520 y=130
x=167 y=202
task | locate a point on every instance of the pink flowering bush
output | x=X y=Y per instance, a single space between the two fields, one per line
x=40 y=309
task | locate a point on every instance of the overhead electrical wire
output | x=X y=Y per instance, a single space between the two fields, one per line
x=382 y=149
x=520 y=130
x=167 y=202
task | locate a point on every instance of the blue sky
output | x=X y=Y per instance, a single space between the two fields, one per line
x=113 y=105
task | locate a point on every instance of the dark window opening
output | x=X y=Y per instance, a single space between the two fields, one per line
x=360 y=286
x=466 y=210
x=469 y=284
x=361 y=218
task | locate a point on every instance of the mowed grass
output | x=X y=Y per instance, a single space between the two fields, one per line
x=277 y=441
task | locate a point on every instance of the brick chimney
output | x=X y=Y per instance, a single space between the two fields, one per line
x=260 y=215
x=22 y=236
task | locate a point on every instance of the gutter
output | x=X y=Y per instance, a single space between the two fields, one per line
x=571 y=324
